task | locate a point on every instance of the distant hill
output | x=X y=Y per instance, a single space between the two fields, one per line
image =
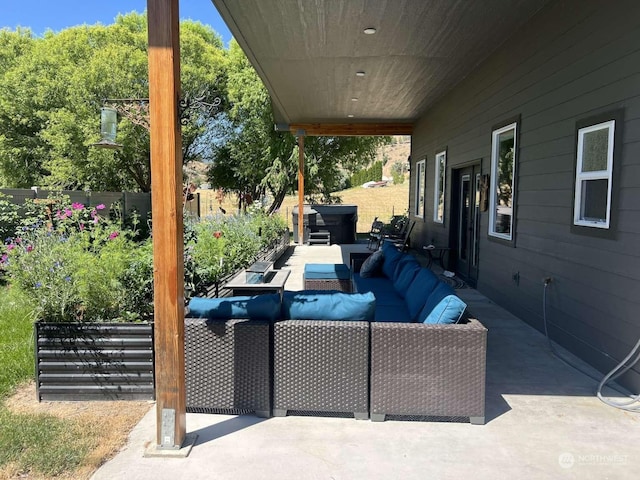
x=398 y=151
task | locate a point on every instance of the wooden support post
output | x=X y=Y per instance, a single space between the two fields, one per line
x=300 y=187
x=166 y=205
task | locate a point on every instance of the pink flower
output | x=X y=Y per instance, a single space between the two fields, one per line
x=100 y=207
x=18 y=240
x=29 y=248
x=113 y=235
x=68 y=212
x=217 y=234
x=81 y=227
x=4 y=258
x=95 y=219
x=77 y=206
x=10 y=247
x=61 y=215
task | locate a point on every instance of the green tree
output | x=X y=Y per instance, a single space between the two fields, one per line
x=51 y=90
x=255 y=159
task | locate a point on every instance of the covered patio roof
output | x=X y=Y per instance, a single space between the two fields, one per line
x=308 y=54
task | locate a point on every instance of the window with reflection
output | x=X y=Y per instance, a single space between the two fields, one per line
x=439 y=190
x=503 y=162
x=420 y=186
x=594 y=168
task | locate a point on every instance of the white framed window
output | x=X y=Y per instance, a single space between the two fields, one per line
x=439 y=187
x=503 y=163
x=594 y=169
x=420 y=185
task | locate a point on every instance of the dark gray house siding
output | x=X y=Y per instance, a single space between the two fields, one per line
x=575 y=60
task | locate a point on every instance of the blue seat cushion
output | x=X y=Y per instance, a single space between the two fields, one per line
x=392 y=313
x=328 y=271
x=257 y=307
x=419 y=291
x=447 y=311
x=440 y=291
x=372 y=265
x=328 y=305
x=391 y=258
x=406 y=271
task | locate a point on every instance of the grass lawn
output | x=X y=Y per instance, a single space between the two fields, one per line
x=51 y=439
x=380 y=202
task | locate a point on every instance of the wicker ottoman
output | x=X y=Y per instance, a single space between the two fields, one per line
x=327 y=276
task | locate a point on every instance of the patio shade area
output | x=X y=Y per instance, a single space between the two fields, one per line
x=543 y=421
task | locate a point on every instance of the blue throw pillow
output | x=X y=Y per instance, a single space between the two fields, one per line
x=391 y=258
x=448 y=311
x=258 y=307
x=438 y=293
x=405 y=273
x=328 y=305
x=371 y=266
x=420 y=290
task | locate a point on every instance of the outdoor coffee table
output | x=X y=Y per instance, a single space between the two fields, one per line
x=275 y=280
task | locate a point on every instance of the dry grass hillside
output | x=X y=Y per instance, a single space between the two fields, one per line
x=396 y=152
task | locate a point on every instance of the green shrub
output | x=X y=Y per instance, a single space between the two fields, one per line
x=77 y=265
x=218 y=246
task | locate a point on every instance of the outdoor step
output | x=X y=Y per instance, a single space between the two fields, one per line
x=320 y=238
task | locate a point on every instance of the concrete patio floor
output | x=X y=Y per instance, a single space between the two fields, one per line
x=543 y=422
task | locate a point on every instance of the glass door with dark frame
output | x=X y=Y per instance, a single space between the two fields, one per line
x=466 y=224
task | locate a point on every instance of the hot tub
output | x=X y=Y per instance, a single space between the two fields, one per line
x=339 y=220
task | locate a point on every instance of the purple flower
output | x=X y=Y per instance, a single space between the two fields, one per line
x=29 y=248
x=100 y=207
x=38 y=284
x=113 y=235
x=67 y=279
x=77 y=206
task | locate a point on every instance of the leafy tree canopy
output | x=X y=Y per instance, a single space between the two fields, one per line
x=51 y=90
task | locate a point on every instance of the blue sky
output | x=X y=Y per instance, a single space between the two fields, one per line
x=40 y=15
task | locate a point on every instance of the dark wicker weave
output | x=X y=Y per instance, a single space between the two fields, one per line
x=227 y=366
x=341 y=284
x=321 y=366
x=428 y=370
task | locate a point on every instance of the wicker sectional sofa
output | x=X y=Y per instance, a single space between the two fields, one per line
x=418 y=369
x=327 y=365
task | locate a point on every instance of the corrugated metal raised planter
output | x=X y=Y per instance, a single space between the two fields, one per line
x=100 y=361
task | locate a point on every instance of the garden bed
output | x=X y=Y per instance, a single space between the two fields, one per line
x=113 y=361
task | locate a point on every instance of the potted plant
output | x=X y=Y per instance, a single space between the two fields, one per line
x=92 y=285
